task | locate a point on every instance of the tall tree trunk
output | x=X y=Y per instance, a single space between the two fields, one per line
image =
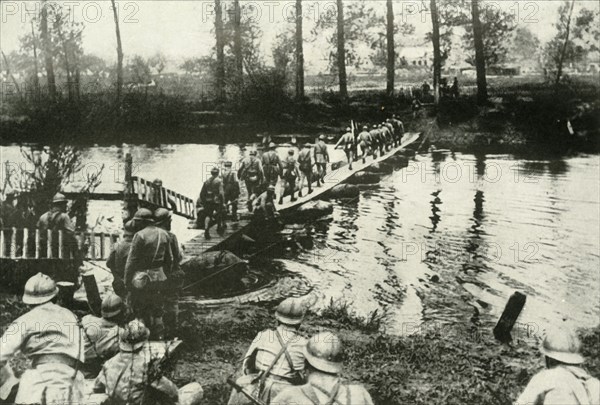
x=8 y=73
x=437 y=55
x=563 y=52
x=391 y=49
x=479 y=54
x=65 y=50
x=237 y=48
x=36 y=79
x=48 y=52
x=341 y=52
x=119 y=53
x=299 y=52
x=220 y=51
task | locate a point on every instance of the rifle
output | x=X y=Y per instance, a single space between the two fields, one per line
x=248 y=395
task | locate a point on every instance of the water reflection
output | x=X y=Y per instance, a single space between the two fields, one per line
x=435 y=217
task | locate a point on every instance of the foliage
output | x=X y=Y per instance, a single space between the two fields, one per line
x=158 y=62
x=524 y=45
x=138 y=70
x=341 y=312
x=378 y=42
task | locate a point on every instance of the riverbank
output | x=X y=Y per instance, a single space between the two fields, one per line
x=453 y=364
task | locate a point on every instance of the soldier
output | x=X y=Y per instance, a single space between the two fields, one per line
x=364 y=141
x=231 y=188
x=56 y=353
x=272 y=165
x=57 y=220
x=321 y=158
x=390 y=127
x=347 y=141
x=101 y=335
x=118 y=258
x=175 y=276
x=323 y=354
x=387 y=136
x=375 y=139
x=127 y=377
x=563 y=381
x=275 y=360
x=306 y=163
x=212 y=197
x=149 y=261
x=264 y=205
x=251 y=171
x=399 y=128
x=290 y=174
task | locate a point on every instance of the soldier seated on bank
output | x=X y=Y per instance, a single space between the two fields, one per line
x=101 y=335
x=131 y=377
x=323 y=354
x=275 y=360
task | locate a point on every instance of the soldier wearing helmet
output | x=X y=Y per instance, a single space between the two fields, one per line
x=364 y=141
x=347 y=141
x=376 y=140
x=212 y=197
x=563 y=381
x=118 y=258
x=231 y=188
x=175 y=276
x=321 y=159
x=149 y=261
x=305 y=162
x=56 y=355
x=264 y=205
x=101 y=335
x=57 y=219
x=289 y=176
x=272 y=165
x=251 y=172
x=324 y=385
x=125 y=377
x=275 y=360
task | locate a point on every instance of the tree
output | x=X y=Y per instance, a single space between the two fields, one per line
x=138 y=70
x=567 y=32
x=47 y=43
x=220 y=46
x=119 y=52
x=299 y=52
x=158 y=62
x=67 y=36
x=524 y=45
x=437 y=55
x=479 y=54
x=341 y=52
x=391 y=51
x=237 y=47
x=34 y=45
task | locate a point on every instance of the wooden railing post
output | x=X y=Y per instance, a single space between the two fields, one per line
x=2 y=242
x=93 y=245
x=38 y=244
x=102 y=245
x=13 y=243
x=25 y=243
x=61 y=250
x=49 y=253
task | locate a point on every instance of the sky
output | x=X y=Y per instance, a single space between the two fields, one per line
x=182 y=29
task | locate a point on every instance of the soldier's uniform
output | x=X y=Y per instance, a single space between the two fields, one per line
x=212 y=196
x=51 y=337
x=251 y=172
x=117 y=259
x=375 y=141
x=272 y=165
x=149 y=261
x=57 y=220
x=347 y=140
x=101 y=341
x=305 y=162
x=321 y=159
x=231 y=188
x=275 y=360
x=364 y=141
x=264 y=205
x=387 y=137
x=289 y=176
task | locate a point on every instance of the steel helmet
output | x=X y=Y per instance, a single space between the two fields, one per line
x=129 y=228
x=272 y=145
x=112 y=306
x=59 y=198
x=348 y=129
x=322 y=137
x=133 y=336
x=291 y=152
x=324 y=352
x=290 y=311
x=144 y=214
x=162 y=215
x=562 y=345
x=214 y=171
x=365 y=127
x=39 y=289
x=228 y=164
x=271 y=188
x=253 y=152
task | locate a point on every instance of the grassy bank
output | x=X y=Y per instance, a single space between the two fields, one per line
x=455 y=365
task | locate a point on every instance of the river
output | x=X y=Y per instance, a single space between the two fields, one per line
x=434 y=243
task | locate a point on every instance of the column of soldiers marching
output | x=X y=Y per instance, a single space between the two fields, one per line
x=281 y=367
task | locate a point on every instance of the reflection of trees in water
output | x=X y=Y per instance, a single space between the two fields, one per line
x=480 y=164
x=557 y=167
x=348 y=209
x=435 y=217
x=474 y=240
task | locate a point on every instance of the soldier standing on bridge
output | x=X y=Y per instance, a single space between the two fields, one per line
x=272 y=166
x=347 y=141
x=306 y=167
x=212 y=196
x=364 y=141
x=118 y=258
x=251 y=172
x=321 y=158
x=231 y=188
x=289 y=176
x=149 y=261
x=175 y=276
x=375 y=140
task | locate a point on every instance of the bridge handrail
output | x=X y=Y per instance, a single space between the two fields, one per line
x=163 y=197
x=31 y=243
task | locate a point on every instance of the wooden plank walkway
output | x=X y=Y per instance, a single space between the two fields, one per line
x=196 y=243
